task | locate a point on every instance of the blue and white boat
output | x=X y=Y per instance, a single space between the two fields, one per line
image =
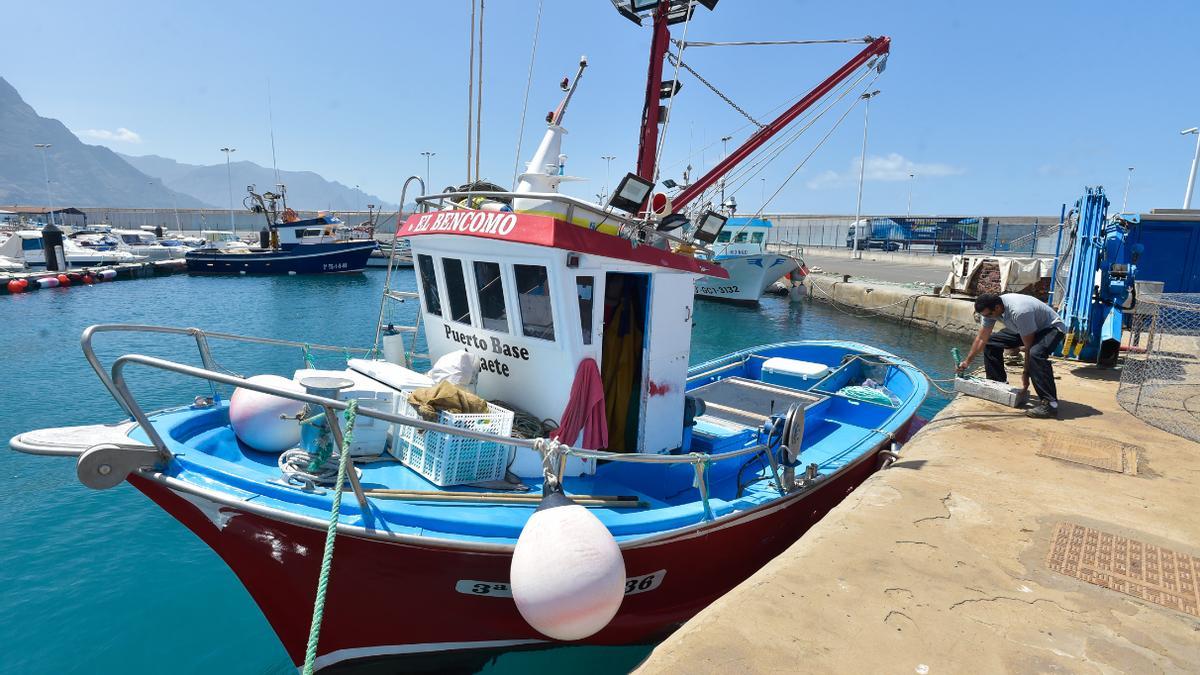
x=287 y=245
x=742 y=251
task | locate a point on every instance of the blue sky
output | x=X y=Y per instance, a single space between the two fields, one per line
x=998 y=108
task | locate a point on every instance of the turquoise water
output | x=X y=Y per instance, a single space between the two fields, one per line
x=106 y=582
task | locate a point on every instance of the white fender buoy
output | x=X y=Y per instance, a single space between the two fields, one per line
x=108 y=275
x=255 y=416
x=567 y=574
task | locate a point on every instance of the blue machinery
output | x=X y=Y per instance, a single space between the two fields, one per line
x=1100 y=281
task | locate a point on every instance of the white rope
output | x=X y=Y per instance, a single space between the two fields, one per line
x=537 y=30
x=294 y=465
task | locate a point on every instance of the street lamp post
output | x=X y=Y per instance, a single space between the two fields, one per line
x=1128 y=180
x=724 y=154
x=607 y=173
x=427 y=155
x=1187 y=196
x=46 y=171
x=229 y=177
x=862 y=166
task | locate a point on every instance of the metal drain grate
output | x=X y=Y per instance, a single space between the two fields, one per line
x=1101 y=453
x=1152 y=573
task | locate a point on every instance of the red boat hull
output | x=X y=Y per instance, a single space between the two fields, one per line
x=393 y=600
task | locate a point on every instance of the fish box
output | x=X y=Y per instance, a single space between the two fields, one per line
x=792 y=373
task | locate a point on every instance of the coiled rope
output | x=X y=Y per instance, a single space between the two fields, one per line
x=314 y=632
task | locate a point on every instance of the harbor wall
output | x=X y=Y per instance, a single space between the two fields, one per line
x=996 y=544
x=953 y=315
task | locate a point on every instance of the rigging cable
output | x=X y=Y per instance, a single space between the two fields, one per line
x=667 y=122
x=775 y=147
x=470 y=90
x=814 y=150
x=679 y=62
x=537 y=29
x=759 y=43
x=479 y=98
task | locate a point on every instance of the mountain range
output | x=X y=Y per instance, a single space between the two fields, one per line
x=80 y=174
x=209 y=183
x=93 y=175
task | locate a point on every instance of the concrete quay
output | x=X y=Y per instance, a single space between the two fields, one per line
x=996 y=544
x=901 y=303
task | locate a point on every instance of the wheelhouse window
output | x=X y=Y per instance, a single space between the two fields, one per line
x=723 y=237
x=756 y=238
x=492 y=312
x=429 y=288
x=533 y=292
x=740 y=238
x=456 y=290
x=585 y=289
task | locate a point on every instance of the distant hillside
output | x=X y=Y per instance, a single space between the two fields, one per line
x=80 y=174
x=306 y=190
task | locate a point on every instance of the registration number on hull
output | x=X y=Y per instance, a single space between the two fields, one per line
x=497 y=589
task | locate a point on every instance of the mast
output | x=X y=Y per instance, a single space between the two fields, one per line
x=659 y=44
x=878 y=47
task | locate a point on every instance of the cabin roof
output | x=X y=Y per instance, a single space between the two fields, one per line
x=524 y=228
x=747 y=222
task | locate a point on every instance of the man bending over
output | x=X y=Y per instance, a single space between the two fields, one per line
x=1029 y=324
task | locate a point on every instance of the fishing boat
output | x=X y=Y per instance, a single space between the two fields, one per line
x=287 y=244
x=459 y=537
x=742 y=251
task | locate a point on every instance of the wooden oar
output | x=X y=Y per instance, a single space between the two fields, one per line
x=614 y=501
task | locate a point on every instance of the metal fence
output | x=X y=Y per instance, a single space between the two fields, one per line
x=1160 y=383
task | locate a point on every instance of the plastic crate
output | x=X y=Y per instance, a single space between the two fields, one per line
x=447 y=459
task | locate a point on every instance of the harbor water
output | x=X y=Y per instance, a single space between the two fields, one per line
x=107 y=582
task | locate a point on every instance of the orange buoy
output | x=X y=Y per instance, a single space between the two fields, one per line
x=14 y=286
x=24 y=284
x=88 y=280
x=64 y=280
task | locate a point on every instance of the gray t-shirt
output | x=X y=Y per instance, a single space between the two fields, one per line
x=1025 y=315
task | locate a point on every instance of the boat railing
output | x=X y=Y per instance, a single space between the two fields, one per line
x=640 y=230
x=553 y=452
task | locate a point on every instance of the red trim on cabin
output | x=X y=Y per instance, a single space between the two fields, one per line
x=524 y=228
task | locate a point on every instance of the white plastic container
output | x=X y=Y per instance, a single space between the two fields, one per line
x=370 y=435
x=447 y=459
x=792 y=373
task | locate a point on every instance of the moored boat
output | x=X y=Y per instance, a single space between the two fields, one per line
x=539 y=303
x=741 y=249
x=287 y=245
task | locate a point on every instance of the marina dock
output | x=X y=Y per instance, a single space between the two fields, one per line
x=995 y=544
x=117 y=272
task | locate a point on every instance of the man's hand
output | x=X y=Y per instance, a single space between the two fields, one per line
x=962 y=366
x=1025 y=379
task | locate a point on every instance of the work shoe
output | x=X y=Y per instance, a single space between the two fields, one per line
x=1042 y=411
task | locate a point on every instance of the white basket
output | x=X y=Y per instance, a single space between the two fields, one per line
x=448 y=459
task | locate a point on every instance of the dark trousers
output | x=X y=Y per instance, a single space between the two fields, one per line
x=1041 y=373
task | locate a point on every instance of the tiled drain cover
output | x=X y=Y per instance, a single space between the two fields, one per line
x=1092 y=451
x=1152 y=573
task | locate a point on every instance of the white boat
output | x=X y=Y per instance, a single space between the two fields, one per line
x=140 y=242
x=226 y=241
x=741 y=250
x=379 y=257
x=26 y=245
x=8 y=264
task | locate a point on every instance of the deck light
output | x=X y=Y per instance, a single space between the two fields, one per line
x=711 y=224
x=672 y=222
x=670 y=184
x=631 y=193
x=643 y=5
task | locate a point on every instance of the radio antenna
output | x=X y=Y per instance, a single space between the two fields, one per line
x=271 y=121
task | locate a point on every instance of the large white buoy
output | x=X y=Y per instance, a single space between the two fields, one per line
x=255 y=416
x=567 y=574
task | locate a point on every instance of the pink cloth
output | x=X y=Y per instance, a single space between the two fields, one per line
x=585 y=409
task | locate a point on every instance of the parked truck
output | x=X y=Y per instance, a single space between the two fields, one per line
x=945 y=235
